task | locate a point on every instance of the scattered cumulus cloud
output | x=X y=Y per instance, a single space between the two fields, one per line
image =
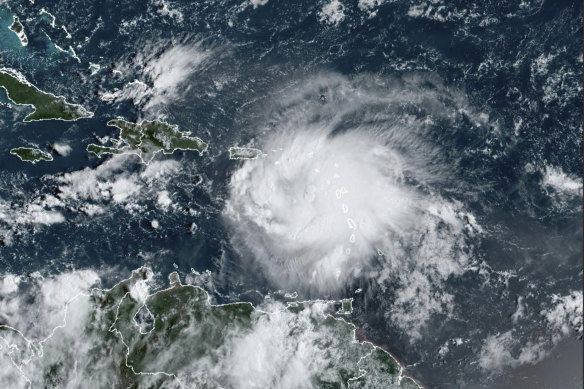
x=508 y=349
x=502 y=350
x=163 y=200
x=113 y=181
x=370 y=6
x=561 y=183
x=90 y=191
x=256 y=3
x=164 y=8
x=519 y=311
x=61 y=148
x=566 y=314
x=332 y=13
x=37 y=212
x=448 y=345
x=164 y=70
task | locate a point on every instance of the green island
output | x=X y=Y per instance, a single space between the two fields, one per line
x=346 y=307
x=147 y=138
x=244 y=153
x=175 y=338
x=18 y=29
x=31 y=155
x=46 y=105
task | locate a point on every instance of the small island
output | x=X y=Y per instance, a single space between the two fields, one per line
x=31 y=155
x=18 y=29
x=148 y=138
x=244 y=153
x=46 y=105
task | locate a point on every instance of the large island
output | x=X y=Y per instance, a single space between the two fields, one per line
x=148 y=138
x=46 y=105
x=244 y=153
x=31 y=155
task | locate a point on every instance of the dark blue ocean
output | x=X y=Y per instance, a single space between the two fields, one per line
x=517 y=64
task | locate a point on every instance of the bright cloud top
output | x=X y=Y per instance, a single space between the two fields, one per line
x=343 y=181
x=323 y=204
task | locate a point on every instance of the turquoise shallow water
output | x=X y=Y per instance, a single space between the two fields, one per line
x=10 y=42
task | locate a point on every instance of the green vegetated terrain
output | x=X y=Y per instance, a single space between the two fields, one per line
x=175 y=338
x=16 y=26
x=31 y=155
x=18 y=29
x=147 y=138
x=46 y=105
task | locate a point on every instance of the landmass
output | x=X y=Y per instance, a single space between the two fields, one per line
x=244 y=153
x=147 y=138
x=46 y=105
x=175 y=338
x=346 y=307
x=31 y=155
x=18 y=29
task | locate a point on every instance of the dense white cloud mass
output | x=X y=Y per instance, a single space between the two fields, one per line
x=168 y=71
x=344 y=180
x=323 y=204
x=43 y=322
x=268 y=357
x=62 y=148
x=36 y=305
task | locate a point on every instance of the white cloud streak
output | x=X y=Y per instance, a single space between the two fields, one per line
x=164 y=68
